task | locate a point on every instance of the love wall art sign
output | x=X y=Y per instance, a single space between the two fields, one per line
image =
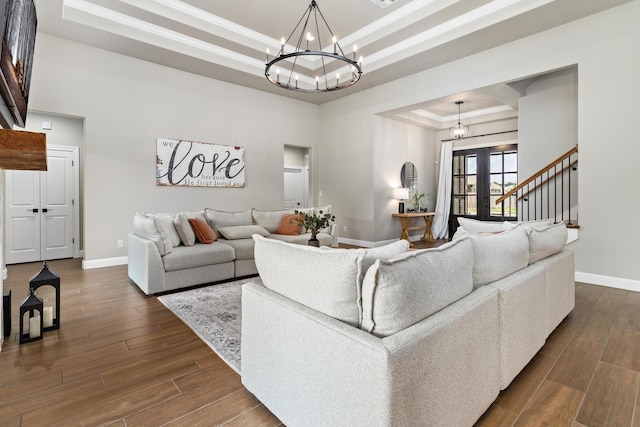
x=198 y=164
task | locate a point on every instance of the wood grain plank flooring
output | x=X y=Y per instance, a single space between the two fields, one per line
x=122 y=359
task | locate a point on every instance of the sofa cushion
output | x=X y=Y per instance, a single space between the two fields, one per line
x=528 y=225
x=474 y=226
x=242 y=231
x=290 y=225
x=197 y=256
x=498 y=255
x=371 y=255
x=324 y=280
x=402 y=291
x=270 y=220
x=243 y=248
x=203 y=232
x=546 y=241
x=181 y=223
x=147 y=227
x=219 y=219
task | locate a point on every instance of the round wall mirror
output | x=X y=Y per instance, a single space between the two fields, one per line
x=409 y=176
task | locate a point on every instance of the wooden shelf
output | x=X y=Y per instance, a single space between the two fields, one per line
x=22 y=150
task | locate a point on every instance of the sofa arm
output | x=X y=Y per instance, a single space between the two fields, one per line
x=145 y=265
x=441 y=371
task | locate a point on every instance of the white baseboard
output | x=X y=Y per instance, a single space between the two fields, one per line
x=612 y=282
x=105 y=262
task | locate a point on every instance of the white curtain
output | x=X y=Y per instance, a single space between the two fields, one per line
x=440 y=227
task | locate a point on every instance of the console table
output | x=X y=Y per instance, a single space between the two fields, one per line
x=404 y=221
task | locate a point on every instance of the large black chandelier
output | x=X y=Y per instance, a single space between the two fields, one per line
x=286 y=71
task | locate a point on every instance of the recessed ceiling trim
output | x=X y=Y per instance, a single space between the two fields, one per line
x=414 y=11
x=479 y=18
x=466 y=115
x=117 y=23
x=87 y=13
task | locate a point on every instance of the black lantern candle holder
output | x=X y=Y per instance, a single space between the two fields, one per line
x=34 y=307
x=48 y=278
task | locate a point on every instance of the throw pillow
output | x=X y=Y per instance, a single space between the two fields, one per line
x=528 y=225
x=325 y=280
x=145 y=226
x=546 y=241
x=219 y=219
x=289 y=225
x=473 y=226
x=242 y=231
x=270 y=220
x=203 y=232
x=164 y=222
x=410 y=287
x=498 y=255
x=181 y=223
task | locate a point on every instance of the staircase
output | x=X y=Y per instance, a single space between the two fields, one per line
x=550 y=193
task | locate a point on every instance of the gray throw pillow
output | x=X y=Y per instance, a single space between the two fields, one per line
x=181 y=223
x=242 y=231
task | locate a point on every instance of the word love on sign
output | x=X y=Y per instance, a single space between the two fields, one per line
x=197 y=164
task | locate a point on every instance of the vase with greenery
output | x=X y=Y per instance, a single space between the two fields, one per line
x=313 y=223
x=415 y=200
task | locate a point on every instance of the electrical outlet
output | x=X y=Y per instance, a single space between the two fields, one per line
x=120 y=244
x=344 y=228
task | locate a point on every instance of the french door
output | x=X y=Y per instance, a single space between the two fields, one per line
x=480 y=177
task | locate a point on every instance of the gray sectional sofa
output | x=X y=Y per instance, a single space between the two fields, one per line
x=162 y=257
x=387 y=337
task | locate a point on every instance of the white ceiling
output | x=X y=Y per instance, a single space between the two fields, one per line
x=227 y=39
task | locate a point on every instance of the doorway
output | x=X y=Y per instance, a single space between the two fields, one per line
x=296 y=177
x=480 y=177
x=41 y=210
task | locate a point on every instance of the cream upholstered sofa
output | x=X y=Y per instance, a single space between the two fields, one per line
x=164 y=253
x=420 y=338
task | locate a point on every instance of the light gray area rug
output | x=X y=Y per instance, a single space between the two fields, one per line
x=214 y=314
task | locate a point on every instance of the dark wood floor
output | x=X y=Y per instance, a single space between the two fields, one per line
x=121 y=358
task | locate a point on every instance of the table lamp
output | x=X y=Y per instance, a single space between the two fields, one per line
x=401 y=194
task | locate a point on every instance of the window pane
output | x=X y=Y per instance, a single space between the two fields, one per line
x=472 y=205
x=458 y=206
x=496 y=163
x=511 y=162
x=471 y=165
x=471 y=186
x=510 y=181
x=457 y=165
x=457 y=185
x=495 y=210
x=496 y=184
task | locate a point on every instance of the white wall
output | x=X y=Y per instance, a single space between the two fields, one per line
x=547 y=120
x=601 y=47
x=128 y=103
x=394 y=144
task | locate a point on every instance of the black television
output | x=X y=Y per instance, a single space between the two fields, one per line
x=18 y=28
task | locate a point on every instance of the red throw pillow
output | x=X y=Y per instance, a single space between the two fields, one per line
x=289 y=224
x=203 y=232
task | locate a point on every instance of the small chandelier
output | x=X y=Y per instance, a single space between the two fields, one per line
x=288 y=74
x=459 y=131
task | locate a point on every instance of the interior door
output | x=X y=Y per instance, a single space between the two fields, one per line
x=39 y=211
x=294 y=186
x=22 y=230
x=56 y=201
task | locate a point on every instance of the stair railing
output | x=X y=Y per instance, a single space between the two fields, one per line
x=548 y=193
